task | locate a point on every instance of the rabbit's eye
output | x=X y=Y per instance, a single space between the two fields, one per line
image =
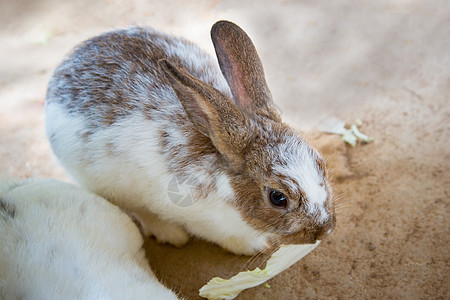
x=278 y=199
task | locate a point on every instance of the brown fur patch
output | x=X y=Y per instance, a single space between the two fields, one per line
x=321 y=166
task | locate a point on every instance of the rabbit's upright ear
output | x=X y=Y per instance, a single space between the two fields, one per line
x=212 y=113
x=242 y=68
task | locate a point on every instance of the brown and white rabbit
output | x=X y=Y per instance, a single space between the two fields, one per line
x=129 y=111
x=58 y=241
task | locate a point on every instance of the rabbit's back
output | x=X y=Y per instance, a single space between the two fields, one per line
x=114 y=75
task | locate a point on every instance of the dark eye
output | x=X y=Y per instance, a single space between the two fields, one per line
x=278 y=198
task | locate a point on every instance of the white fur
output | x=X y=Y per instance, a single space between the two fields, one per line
x=65 y=243
x=139 y=179
x=300 y=165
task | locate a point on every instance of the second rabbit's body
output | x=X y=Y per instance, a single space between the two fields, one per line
x=58 y=241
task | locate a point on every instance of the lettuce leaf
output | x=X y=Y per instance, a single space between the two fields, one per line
x=283 y=258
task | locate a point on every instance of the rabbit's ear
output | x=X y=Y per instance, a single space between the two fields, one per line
x=242 y=68
x=212 y=113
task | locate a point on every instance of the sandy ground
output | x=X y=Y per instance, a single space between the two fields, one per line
x=384 y=62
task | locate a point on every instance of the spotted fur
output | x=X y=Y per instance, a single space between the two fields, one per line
x=131 y=109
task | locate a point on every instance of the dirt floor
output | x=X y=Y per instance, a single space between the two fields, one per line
x=383 y=62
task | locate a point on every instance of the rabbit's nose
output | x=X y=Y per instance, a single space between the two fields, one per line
x=320 y=233
x=326 y=229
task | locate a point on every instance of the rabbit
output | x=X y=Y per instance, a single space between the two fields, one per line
x=58 y=241
x=132 y=111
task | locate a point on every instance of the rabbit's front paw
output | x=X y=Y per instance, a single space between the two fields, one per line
x=163 y=231
x=172 y=234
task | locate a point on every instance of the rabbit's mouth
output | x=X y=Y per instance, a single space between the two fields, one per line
x=308 y=235
x=312 y=233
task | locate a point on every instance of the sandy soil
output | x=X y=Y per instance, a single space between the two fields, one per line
x=384 y=62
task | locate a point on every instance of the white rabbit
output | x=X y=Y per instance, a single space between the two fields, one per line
x=60 y=242
x=133 y=110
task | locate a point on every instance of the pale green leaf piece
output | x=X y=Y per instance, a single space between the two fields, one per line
x=336 y=126
x=219 y=288
x=349 y=137
x=361 y=136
